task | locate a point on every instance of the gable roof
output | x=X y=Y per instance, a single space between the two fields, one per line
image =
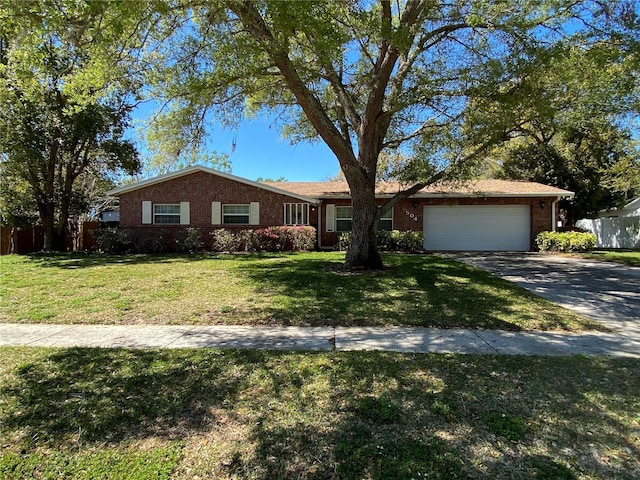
x=199 y=168
x=473 y=188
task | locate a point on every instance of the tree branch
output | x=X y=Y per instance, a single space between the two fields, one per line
x=248 y=14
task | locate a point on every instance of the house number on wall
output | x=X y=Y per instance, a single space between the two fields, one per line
x=411 y=215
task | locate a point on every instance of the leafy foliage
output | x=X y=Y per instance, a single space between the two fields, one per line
x=393 y=241
x=64 y=102
x=271 y=239
x=435 y=83
x=588 y=160
x=565 y=241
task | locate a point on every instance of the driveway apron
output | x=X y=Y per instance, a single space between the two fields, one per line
x=607 y=292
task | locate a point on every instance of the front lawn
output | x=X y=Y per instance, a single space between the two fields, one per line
x=186 y=414
x=627 y=257
x=269 y=289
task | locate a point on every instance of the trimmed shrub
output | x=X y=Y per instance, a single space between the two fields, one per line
x=246 y=241
x=223 y=241
x=189 y=240
x=113 y=240
x=270 y=239
x=565 y=241
x=409 y=241
x=149 y=242
x=303 y=238
x=389 y=241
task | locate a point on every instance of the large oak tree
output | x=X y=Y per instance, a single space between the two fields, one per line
x=371 y=77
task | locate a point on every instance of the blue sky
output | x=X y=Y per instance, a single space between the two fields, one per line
x=261 y=152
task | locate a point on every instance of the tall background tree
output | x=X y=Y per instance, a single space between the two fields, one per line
x=581 y=132
x=422 y=78
x=68 y=84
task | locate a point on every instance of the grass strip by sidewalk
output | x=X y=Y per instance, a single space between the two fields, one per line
x=269 y=289
x=183 y=414
x=626 y=257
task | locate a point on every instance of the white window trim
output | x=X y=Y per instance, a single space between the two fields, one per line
x=166 y=214
x=248 y=214
x=296 y=209
x=350 y=218
x=388 y=216
x=331 y=217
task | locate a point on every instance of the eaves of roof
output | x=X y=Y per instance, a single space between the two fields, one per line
x=199 y=168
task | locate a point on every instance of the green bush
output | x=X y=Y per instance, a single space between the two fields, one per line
x=389 y=241
x=409 y=241
x=223 y=241
x=270 y=239
x=189 y=240
x=565 y=241
x=113 y=240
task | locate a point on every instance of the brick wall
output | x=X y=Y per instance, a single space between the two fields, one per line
x=408 y=213
x=200 y=189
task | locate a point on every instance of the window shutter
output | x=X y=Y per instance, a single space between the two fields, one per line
x=146 y=213
x=331 y=217
x=254 y=213
x=216 y=213
x=185 y=217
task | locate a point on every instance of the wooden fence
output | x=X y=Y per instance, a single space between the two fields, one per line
x=31 y=239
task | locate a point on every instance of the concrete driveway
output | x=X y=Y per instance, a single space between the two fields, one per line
x=607 y=292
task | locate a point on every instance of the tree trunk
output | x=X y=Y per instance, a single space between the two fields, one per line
x=55 y=233
x=363 y=249
x=48 y=226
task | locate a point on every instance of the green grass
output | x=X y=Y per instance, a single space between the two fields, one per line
x=183 y=414
x=627 y=257
x=286 y=289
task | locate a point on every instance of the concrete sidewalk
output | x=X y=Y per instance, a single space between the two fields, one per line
x=396 y=339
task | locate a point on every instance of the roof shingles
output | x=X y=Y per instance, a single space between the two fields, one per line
x=487 y=188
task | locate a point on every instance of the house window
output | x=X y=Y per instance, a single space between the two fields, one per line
x=296 y=214
x=344 y=220
x=386 y=221
x=166 y=214
x=235 y=214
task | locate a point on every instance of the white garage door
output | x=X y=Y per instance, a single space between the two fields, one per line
x=477 y=227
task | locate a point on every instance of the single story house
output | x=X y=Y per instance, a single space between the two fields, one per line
x=481 y=215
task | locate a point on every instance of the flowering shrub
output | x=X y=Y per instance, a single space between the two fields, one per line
x=565 y=241
x=271 y=239
x=223 y=241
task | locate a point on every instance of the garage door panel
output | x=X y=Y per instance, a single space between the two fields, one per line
x=477 y=227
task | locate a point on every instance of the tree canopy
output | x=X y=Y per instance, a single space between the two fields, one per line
x=438 y=82
x=68 y=85
x=432 y=84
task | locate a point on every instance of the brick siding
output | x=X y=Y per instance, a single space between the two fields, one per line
x=200 y=189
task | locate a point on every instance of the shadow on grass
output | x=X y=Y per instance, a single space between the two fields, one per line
x=347 y=416
x=79 y=260
x=414 y=290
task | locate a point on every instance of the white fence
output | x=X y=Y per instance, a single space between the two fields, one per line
x=615 y=232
